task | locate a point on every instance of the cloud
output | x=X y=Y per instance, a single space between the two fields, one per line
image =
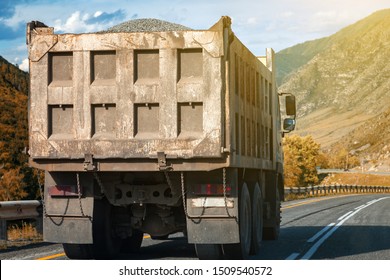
x=252 y=21
x=7 y=9
x=103 y=17
x=24 y=65
x=81 y=23
x=287 y=14
x=11 y=32
x=326 y=21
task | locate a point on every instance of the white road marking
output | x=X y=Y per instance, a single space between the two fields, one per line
x=345 y=215
x=315 y=247
x=359 y=207
x=321 y=232
x=293 y=256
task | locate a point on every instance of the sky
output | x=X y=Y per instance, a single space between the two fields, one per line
x=259 y=24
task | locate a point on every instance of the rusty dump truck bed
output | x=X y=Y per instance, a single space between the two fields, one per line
x=122 y=98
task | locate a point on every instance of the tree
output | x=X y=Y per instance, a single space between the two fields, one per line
x=17 y=179
x=343 y=160
x=301 y=157
x=12 y=185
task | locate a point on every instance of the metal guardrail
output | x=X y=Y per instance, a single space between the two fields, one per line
x=31 y=209
x=317 y=190
x=350 y=171
x=19 y=210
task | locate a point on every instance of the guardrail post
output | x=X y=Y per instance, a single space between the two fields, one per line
x=39 y=225
x=3 y=232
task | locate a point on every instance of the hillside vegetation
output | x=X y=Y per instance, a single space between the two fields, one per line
x=342 y=84
x=16 y=178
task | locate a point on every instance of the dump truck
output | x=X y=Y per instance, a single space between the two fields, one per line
x=156 y=132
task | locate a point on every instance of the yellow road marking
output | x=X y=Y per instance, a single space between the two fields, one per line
x=320 y=199
x=305 y=202
x=298 y=204
x=52 y=257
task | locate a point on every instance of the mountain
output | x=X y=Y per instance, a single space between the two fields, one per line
x=12 y=77
x=342 y=82
x=290 y=59
x=370 y=141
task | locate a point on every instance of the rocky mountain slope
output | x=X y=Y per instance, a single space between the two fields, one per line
x=342 y=83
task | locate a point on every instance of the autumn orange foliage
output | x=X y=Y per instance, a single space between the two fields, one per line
x=17 y=179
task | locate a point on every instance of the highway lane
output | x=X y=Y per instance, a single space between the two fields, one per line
x=342 y=227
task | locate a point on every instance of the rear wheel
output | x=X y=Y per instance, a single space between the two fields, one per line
x=241 y=250
x=208 y=251
x=106 y=244
x=257 y=220
x=133 y=243
x=272 y=232
x=163 y=237
x=78 y=251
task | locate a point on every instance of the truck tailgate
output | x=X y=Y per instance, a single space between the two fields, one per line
x=126 y=95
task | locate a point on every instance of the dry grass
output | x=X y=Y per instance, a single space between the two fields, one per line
x=327 y=126
x=24 y=232
x=357 y=179
x=20 y=234
x=345 y=179
x=294 y=196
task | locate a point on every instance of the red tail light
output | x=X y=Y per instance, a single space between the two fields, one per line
x=63 y=191
x=210 y=189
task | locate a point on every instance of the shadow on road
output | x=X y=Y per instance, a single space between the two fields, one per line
x=347 y=242
x=172 y=248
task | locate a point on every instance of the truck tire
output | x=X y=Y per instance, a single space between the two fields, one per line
x=257 y=220
x=133 y=243
x=164 y=237
x=241 y=250
x=105 y=244
x=272 y=232
x=208 y=251
x=78 y=251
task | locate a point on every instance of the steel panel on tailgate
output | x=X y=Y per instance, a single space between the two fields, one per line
x=126 y=95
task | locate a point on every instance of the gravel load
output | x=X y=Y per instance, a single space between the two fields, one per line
x=146 y=25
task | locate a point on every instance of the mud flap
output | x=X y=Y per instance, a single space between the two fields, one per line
x=213 y=231
x=217 y=226
x=67 y=230
x=68 y=219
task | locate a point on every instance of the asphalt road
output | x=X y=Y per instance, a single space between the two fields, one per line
x=353 y=227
